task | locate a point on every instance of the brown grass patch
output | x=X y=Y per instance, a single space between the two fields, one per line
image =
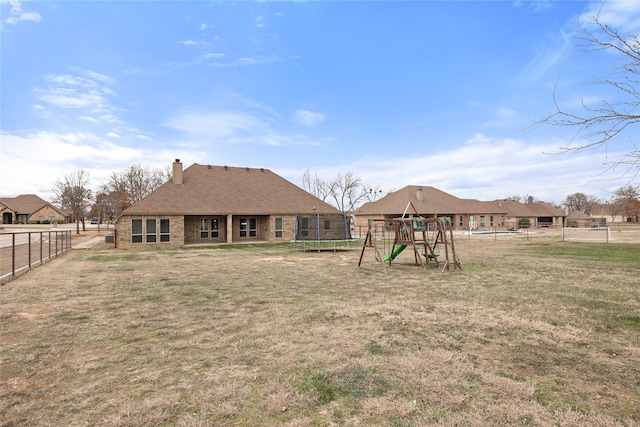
x=532 y=332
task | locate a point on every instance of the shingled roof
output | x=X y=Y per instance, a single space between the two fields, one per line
x=224 y=190
x=537 y=209
x=26 y=204
x=431 y=201
x=427 y=200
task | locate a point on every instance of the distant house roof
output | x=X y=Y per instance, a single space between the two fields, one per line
x=616 y=209
x=577 y=215
x=537 y=209
x=431 y=201
x=427 y=200
x=26 y=204
x=224 y=190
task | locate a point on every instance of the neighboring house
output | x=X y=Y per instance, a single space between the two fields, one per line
x=579 y=219
x=535 y=214
x=221 y=204
x=30 y=209
x=627 y=211
x=464 y=213
x=431 y=202
x=631 y=211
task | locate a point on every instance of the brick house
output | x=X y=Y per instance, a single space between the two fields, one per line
x=221 y=204
x=536 y=214
x=30 y=209
x=464 y=213
x=626 y=211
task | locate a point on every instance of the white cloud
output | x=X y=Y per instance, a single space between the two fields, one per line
x=68 y=91
x=545 y=59
x=89 y=119
x=478 y=138
x=506 y=112
x=488 y=170
x=307 y=118
x=235 y=127
x=111 y=118
x=98 y=76
x=217 y=125
x=246 y=61
x=621 y=15
x=540 y=5
x=87 y=92
x=135 y=70
x=17 y=14
x=52 y=155
x=42 y=110
x=70 y=98
x=210 y=55
x=199 y=43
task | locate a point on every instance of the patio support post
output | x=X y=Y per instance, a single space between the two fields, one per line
x=229 y=228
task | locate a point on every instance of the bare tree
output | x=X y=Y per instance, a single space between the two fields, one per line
x=72 y=192
x=621 y=198
x=107 y=204
x=580 y=202
x=627 y=193
x=346 y=191
x=598 y=125
x=316 y=186
x=139 y=181
x=129 y=186
x=372 y=193
x=526 y=199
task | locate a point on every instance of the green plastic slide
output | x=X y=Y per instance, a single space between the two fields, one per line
x=395 y=252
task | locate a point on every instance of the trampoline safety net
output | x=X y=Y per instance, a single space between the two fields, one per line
x=322 y=227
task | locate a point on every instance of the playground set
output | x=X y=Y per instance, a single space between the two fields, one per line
x=416 y=232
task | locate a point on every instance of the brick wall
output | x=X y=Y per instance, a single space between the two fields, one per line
x=186 y=230
x=123 y=231
x=192 y=229
x=47 y=213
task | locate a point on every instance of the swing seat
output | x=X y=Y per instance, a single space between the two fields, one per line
x=432 y=255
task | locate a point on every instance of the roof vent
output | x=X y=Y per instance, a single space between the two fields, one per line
x=226 y=167
x=247 y=169
x=261 y=169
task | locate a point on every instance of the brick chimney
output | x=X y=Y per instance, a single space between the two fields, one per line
x=177 y=172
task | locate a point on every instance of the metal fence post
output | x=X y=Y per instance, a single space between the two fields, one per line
x=13 y=254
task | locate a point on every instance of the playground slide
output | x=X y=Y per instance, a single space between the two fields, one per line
x=395 y=252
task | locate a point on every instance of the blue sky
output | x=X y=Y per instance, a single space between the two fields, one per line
x=414 y=92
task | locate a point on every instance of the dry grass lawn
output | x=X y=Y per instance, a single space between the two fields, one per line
x=532 y=332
